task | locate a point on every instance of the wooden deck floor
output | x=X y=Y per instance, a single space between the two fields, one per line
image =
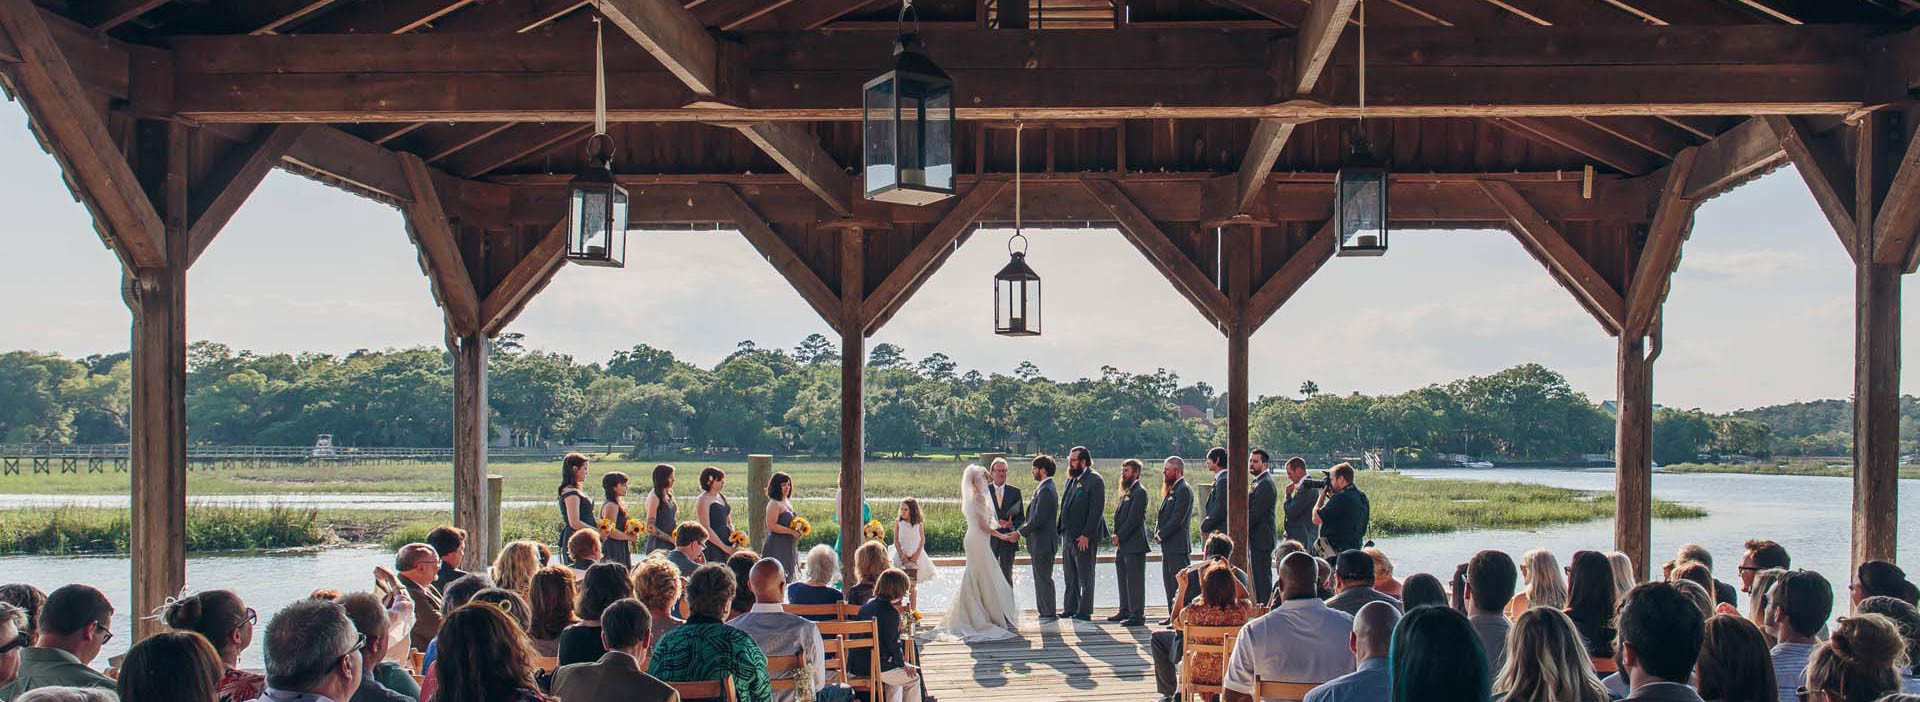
x=1062 y=660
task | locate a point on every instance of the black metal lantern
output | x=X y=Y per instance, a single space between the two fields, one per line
x=1360 y=203
x=597 y=210
x=907 y=128
x=1016 y=295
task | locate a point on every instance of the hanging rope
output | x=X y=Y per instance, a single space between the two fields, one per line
x=1018 y=129
x=1363 y=62
x=599 y=78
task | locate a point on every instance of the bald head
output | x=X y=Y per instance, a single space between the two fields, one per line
x=1373 y=630
x=1298 y=576
x=767 y=581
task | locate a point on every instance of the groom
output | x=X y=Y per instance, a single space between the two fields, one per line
x=1042 y=532
x=1082 y=527
x=1008 y=515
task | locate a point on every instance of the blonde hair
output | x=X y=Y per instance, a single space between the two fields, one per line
x=1546 y=662
x=1757 y=599
x=1382 y=567
x=1623 y=579
x=1546 y=585
x=514 y=568
x=1861 y=661
x=869 y=561
x=656 y=583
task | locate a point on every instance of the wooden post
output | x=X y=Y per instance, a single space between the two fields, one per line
x=1633 y=453
x=496 y=493
x=470 y=437
x=759 y=473
x=853 y=366
x=157 y=297
x=1876 y=410
x=1238 y=241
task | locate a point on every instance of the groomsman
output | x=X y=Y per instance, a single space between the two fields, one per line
x=1042 y=532
x=1130 y=546
x=1299 y=505
x=1215 y=520
x=1082 y=529
x=1261 y=532
x=1172 y=526
x=1009 y=514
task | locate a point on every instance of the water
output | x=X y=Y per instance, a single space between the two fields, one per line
x=1811 y=516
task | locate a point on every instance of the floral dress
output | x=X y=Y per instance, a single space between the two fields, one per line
x=240 y=686
x=1207 y=666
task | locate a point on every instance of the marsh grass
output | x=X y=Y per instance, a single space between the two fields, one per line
x=1832 y=468
x=78 y=530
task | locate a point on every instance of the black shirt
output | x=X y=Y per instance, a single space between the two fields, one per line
x=581 y=643
x=892 y=655
x=371 y=690
x=1343 y=520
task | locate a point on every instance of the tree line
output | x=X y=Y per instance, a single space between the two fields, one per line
x=788 y=401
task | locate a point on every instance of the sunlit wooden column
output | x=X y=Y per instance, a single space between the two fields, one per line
x=470 y=427
x=1876 y=416
x=1238 y=240
x=853 y=367
x=157 y=297
x=1633 y=455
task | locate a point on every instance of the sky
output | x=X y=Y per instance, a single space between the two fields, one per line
x=1760 y=311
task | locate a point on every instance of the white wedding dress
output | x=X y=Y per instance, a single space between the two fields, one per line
x=984 y=608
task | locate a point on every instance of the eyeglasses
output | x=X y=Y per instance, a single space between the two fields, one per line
x=106 y=634
x=252 y=617
x=359 y=644
x=1749 y=569
x=19 y=641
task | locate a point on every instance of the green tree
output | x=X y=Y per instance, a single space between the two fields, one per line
x=816 y=348
x=1309 y=388
x=885 y=355
x=641 y=364
x=1680 y=435
x=33 y=409
x=654 y=413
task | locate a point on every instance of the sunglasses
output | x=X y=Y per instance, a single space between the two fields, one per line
x=252 y=617
x=20 y=641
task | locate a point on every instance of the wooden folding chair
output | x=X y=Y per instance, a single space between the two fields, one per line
x=827 y=612
x=783 y=672
x=721 y=689
x=854 y=638
x=1604 y=666
x=1192 y=648
x=416 y=661
x=546 y=663
x=1276 y=690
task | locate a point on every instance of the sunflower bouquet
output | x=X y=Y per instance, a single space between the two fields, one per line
x=605 y=524
x=633 y=527
x=737 y=539
x=874 y=531
x=801 y=526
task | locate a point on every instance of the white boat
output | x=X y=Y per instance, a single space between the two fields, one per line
x=1476 y=464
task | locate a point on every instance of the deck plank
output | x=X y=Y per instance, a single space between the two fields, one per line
x=1063 y=660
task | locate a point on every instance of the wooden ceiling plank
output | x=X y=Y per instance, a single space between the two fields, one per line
x=800 y=153
x=389 y=132
x=215 y=200
x=439 y=247
x=824 y=300
x=1672 y=222
x=384 y=17
x=527 y=278
x=1632 y=9
x=1569 y=134
x=507 y=17
x=107 y=14
x=476 y=136
x=809 y=15
x=1286 y=13
x=1566 y=264
x=1166 y=256
x=1764 y=9
x=927 y=256
x=1307 y=260
x=284 y=13
x=526 y=142
x=1656 y=137
x=1825 y=171
x=1319 y=34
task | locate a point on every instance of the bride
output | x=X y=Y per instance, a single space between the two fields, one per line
x=984 y=609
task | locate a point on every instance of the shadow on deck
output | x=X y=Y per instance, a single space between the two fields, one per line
x=1063 y=660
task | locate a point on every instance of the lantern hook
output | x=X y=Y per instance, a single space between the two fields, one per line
x=600 y=150
x=1023 y=244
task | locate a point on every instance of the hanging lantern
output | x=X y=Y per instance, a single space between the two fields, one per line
x=1016 y=295
x=597 y=210
x=1360 y=203
x=907 y=127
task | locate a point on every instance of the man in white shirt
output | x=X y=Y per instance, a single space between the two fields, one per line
x=777 y=632
x=1301 y=641
x=1797 y=606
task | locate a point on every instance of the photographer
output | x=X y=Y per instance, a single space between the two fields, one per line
x=1343 y=511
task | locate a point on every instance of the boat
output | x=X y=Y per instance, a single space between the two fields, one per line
x=1474 y=464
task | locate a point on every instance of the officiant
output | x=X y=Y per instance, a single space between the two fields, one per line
x=1008 y=513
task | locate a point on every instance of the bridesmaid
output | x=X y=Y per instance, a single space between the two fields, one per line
x=576 y=509
x=715 y=513
x=662 y=512
x=782 y=540
x=617 y=541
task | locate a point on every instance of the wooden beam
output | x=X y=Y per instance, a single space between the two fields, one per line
x=518 y=144
x=1733 y=157
x=1172 y=263
x=216 y=199
x=825 y=300
x=671 y=34
x=1826 y=173
x=1561 y=259
x=1585 y=140
x=1286 y=13
x=470 y=419
x=439 y=248
x=64 y=118
x=809 y=15
x=1293 y=274
x=927 y=256
x=1326 y=19
x=526 y=279
x=1237 y=240
x=853 y=375
x=1633 y=454
x=1269 y=139
x=107 y=14
x=386 y=17
x=1651 y=135
x=279 y=15
x=507 y=17
x=340 y=158
x=801 y=154
x=1672 y=222
x=1896 y=221
x=157 y=447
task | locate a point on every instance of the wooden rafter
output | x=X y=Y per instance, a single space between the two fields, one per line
x=673 y=36
x=1651 y=135
x=64 y=117
x=523 y=142
x=267 y=17
x=386 y=17
x=1286 y=13
x=215 y=200
x=107 y=14
x=809 y=15
x=1825 y=171
x=1896 y=222
x=1167 y=257
x=1319 y=33
x=1584 y=139
x=439 y=248
x=1672 y=222
x=800 y=153
x=349 y=161
x=824 y=299
x=1293 y=274
x=508 y=17
x=1562 y=260
x=1733 y=157
x=928 y=255
x=527 y=278
x=470 y=134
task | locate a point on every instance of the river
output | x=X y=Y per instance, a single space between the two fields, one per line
x=1809 y=515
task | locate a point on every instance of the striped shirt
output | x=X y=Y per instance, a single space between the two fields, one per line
x=1790 y=668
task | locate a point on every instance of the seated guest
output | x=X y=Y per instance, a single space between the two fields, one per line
x=13 y=637
x=1371 y=638
x=583 y=550
x=176 y=666
x=381 y=680
x=1696 y=594
x=656 y=584
x=1546 y=662
x=1545 y=585
x=313 y=651
x=551 y=598
x=1734 y=665
x=486 y=659
x=605 y=584
x=1218 y=549
x=227 y=623
x=458 y=593
x=450 y=543
x=418 y=565
x=1421 y=590
x=1757 y=604
x=1323 y=571
x=705 y=648
x=741 y=563
x=1590 y=599
x=901 y=680
x=1223 y=601
x=689 y=547
x=868 y=563
x=1882 y=578
x=1797 y=606
x=782 y=634
x=1354 y=573
x=617 y=676
x=515 y=566
x=73 y=627
x=1302 y=640
x=1761 y=555
x=1436 y=657
x=1491 y=577
x=1383 y=579
x=29 y=599
x=1857 y=664
x=822 y=567
x=1623 y=577
x=1695 y=572
x=1661 y=632
x=1907 y=619
x=1723 y=593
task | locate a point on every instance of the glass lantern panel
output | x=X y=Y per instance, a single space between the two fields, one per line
x=939 y=137
x=913 y=132
x=617 y=227
x=877 y=143
x=589 y=213
x=1362 y=224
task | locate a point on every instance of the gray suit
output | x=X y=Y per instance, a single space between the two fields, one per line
x=1007 y=508
x=1042 y=532
x=1130 y=552
x=1082 y=509
x=1215 y=520
x=1172 y=527
x=1261 y=534
x=616 y=677
x=1664 y=692
x=1299 y=509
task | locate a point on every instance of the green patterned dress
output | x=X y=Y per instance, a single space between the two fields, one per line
x=704 y=648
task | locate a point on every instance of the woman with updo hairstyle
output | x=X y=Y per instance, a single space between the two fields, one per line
x=227 y=624
x=869 y=561
x=177 y=666
x=1860 y=662
x=616 y=542
x=715 y=513
x=1883 y=579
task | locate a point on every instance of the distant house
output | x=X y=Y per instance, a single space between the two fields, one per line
x=1191 y=412
x=1612 y=408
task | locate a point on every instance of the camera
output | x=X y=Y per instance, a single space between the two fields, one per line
x=1320 y=483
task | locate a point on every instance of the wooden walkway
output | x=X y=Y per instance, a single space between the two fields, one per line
x=1063 y=660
